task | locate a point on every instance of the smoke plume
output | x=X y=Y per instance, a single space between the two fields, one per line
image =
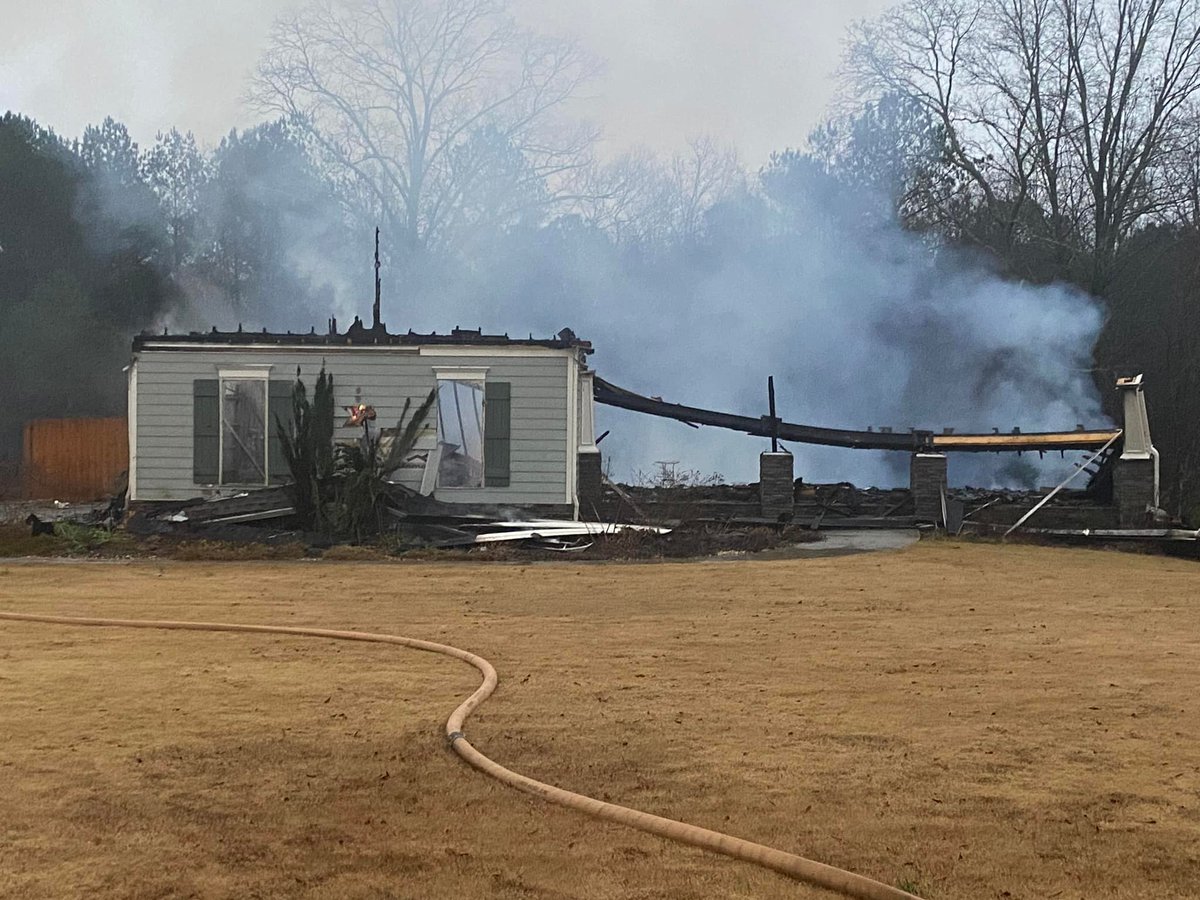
x=861 y=323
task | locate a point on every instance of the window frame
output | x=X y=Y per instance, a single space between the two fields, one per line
x=474 y=375
x=245 y=373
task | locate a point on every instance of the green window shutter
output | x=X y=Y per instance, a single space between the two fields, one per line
x=497 y=432
x=206 y=430
x=279 y=407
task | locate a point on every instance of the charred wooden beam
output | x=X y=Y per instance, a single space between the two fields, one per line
x=774 y=418
x=913 y=442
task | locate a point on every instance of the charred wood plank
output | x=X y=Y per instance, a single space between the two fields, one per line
x=611 y=395
x=914 y=441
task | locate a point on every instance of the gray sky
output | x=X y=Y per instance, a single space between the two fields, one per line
x=755 y=73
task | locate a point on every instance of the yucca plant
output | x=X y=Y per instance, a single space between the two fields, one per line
x=407 y=435
x=307 y=445
x=362 y=470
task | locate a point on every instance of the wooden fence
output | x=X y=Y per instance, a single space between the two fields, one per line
x=74 y=459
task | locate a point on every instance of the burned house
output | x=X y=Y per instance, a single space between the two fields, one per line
x=511 y=422
x=512 y=425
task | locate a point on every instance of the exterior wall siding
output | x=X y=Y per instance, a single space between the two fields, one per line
x=540 y=446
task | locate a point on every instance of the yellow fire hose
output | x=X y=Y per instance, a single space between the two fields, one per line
x=846 y=883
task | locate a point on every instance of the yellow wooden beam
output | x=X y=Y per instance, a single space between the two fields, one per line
x=1034 y=441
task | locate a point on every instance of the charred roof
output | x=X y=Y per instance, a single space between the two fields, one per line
x=358 y=334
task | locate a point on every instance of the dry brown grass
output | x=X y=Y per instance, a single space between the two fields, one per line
x=982 y=721
x=15 y=540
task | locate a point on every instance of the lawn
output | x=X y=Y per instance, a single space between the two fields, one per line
x=973 y=720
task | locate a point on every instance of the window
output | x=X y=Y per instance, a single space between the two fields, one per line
x=473 y=427
x=243 y=431
x=460 y=432
x=235 y=441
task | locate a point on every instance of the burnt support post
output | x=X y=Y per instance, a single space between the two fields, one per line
x=1133 y=490
x=376 y=313
x=776 y=491
x=927 y=481
x=590 y=484
x=1135 y=477
x=776 y=472
x=589 y=466
x=774 y=418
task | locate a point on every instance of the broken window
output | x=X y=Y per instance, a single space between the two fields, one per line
x=234 y=438
x=460 y=432
x=243 y=431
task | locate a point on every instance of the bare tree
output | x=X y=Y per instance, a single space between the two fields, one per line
x=643 y=199
x=919 y=51
x=700 y=178
x=1183 y=176
x=626 y=198
x=419 y=105
x=1134 y=68
x=1064 y=116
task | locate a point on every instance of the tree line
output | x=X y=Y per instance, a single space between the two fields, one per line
x=1061 y=139
x=100 y=238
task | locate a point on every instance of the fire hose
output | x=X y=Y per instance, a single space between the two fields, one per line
x=831 y=878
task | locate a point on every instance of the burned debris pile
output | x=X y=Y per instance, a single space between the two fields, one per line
x=45 y=516
x=630 y=521
x=406 y=520
x=986 y=511
x=817 y=506
x=844 y=505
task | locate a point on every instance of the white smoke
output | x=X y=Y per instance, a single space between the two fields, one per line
x=861 y=323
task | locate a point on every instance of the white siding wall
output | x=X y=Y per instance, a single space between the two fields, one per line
x=540 y=453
